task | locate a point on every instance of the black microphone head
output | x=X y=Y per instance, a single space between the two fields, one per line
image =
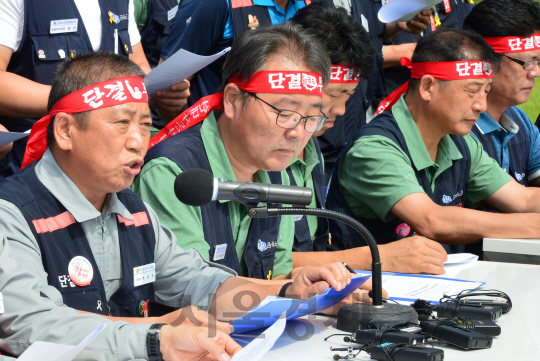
x=194 y=187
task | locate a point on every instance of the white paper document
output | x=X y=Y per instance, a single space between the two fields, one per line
x=8 y=137
x=257 y=348
x=406 y=288
x=458 y=258
x=404 y=10
x=47 y=351
x=177 y=68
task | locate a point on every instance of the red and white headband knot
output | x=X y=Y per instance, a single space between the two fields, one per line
x=344 y=74
x=105 y=94
x=514 y=44
x=444 y=70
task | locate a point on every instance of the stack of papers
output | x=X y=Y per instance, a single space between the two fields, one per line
x=460 y=258
x=407 y=288
x=272 y=307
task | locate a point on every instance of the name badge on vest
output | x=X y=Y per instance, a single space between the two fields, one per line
x=144 y=274
x=64 y=26
x=172 y=13
x=1 y=304
x=298 y=217
x=219 y=254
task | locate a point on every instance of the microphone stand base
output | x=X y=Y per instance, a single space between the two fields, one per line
x=356 y=316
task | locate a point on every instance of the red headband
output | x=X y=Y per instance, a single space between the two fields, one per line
x=451 y=70
x=282 y=82
x=105 y=94
x=343 y=74
x=279 y=82
x=514 y=44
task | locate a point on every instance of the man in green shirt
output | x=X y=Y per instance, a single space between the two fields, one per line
x=351 y=53
x=403 y=172
x=257 y=124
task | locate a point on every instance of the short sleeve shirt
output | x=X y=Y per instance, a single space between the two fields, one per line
x=376 y=173
x=155 y=185
x=502 y=132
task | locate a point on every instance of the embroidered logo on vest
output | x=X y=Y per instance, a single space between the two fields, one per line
x=519 y=177
x=446 y=199
x=262 y=246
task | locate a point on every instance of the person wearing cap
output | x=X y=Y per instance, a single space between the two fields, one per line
x=352 y=57
x=26 y=316
x=414 y=168
x=37 y=36
x=512 y=29
x=269 y=108
x=93 y=244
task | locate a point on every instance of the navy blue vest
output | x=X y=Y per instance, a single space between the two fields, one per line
x=459 y=11
x=187 y=150
x=302 y=236
x=156 y=29
x=450 y=189
x=59 y=246
x=518 y=149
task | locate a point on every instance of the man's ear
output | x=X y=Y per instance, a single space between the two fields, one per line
x=426 y=87
x=231 y=99
x=63 y=127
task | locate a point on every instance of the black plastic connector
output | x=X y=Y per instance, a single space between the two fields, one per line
x=402 y=352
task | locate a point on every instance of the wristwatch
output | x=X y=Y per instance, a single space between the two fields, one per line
x=152 y=342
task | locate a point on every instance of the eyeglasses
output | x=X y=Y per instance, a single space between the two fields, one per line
x=527 y=65
x=289 y=119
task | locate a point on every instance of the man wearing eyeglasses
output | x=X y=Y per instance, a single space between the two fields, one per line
x=269 y=108
x=512 y=28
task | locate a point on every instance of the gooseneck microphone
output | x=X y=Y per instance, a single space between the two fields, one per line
x=197 y=187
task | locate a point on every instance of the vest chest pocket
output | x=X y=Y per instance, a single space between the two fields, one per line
x=263 y=266
x=124 y=43
x=48 y=52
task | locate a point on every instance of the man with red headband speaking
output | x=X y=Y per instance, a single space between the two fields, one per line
x=413 y=168
x=94 y=245
x=512 y=29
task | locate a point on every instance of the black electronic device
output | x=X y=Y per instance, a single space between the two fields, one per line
x=476 y=312
x=406 y=333
x=199 y=187
x=497 y=302
x=403 y=352
x=486 y=327
x=455 y=334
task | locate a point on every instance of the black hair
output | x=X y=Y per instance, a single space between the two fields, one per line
x=500 y=18
x=290 y=42
x=345 y=39
x=452 y=45
x=84 y=70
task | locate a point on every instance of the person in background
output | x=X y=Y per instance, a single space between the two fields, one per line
x=512 y=28
x=415 y=167
x=352 y=57
x=362 y=103
x=204 y=32
x=37 y=36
